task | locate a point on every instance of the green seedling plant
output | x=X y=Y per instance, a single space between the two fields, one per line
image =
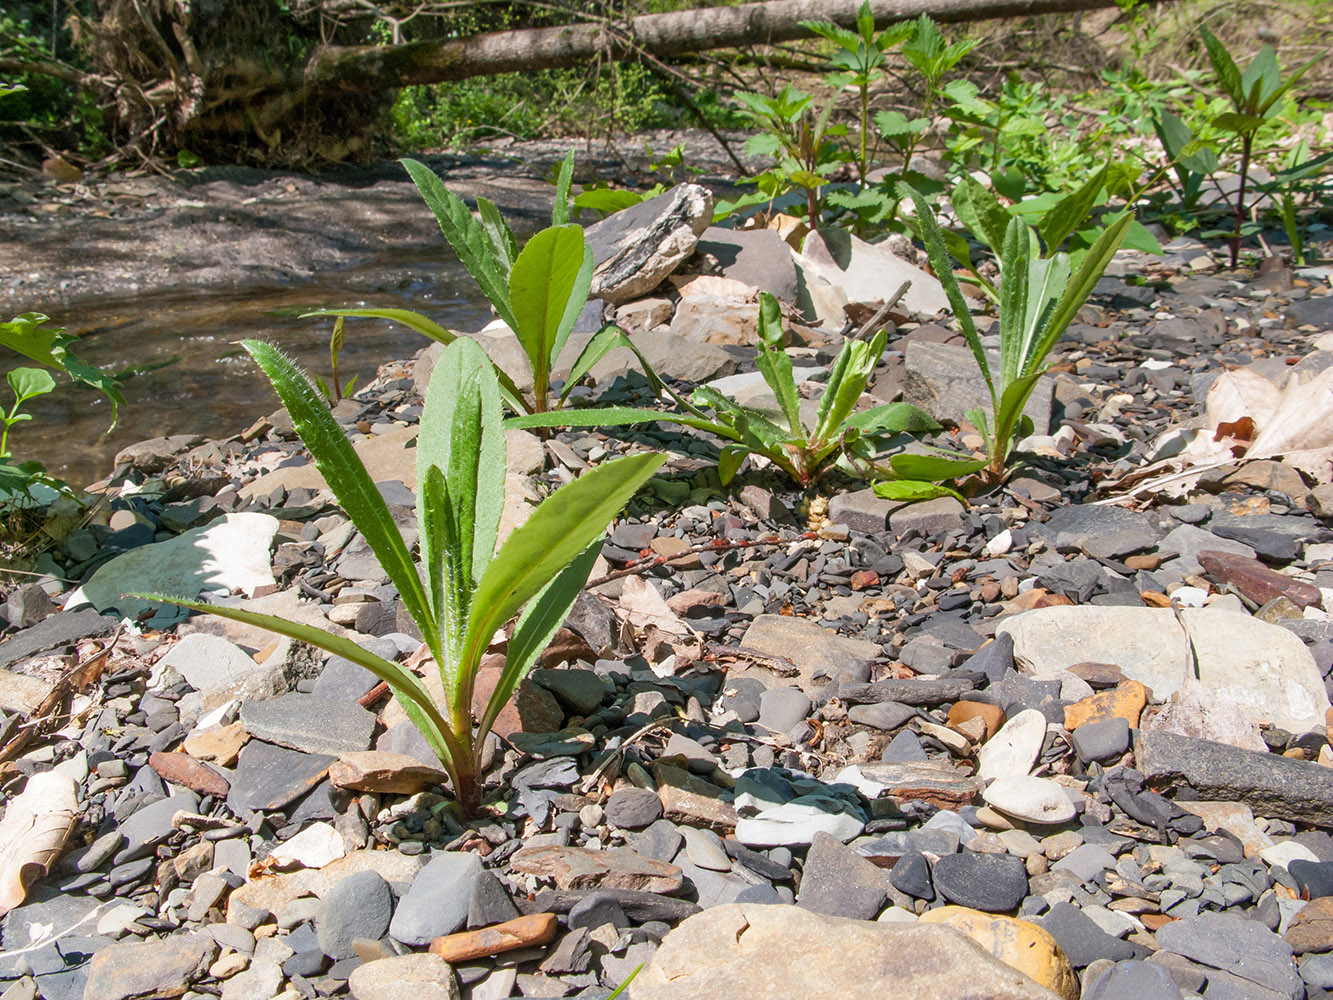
x=538 y=291
x=804 y=453
x=1039 y=298
x=30 y=336
x=334 y=390
x=467 y=591
x=859 y=59
x=1255 y=96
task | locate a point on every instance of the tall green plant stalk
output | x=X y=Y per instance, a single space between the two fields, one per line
x=467 y=591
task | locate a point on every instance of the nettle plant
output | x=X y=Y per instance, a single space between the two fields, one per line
x=1039 y=298
x=467 y=591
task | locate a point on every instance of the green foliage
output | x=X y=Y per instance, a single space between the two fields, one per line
x=1254 y=95
x=538 y=292
x=804 y=453
x=334 y=390
x=30 y=336
x=61 y=115
x=1039 y=298
x=468 y=590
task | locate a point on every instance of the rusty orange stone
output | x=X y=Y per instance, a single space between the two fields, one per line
x=1155 y=921
x=991 y=715
x=1255 y=580
x=1124 y=701
x=1147 y=562
x=182 y=769
x=521 y=932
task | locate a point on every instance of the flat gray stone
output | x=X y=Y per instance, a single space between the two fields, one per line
x=309 y=723
x=437 y=904
x=358 y=906
x=58 y=630
x=151 y=824
x=1272 y=785
x=210 y=663
x=268 y=777
x=1074 y=527
x=757 y=257
x=944 y=380
x=1181 y=546
x=161 y=967
x=840 y=882
x=1239 y=947
x=818 y=653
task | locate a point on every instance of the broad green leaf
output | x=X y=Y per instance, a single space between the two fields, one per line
x=540 y=620
x=1010 y=410
x=911 y=490
x=894 y=124
x=504 y=248
x=1010 y=182
x=461 y=434
x=466 y=235
x=341 y=468
x=729 y=461
x=597 y=416
x=1072 y=211
x=29 y=335
x=554 y=534
x=1271 y=101
x=541 y=285
x=1234 y=121
x=933 y=467
x=892 y=418
x=774 y=364
x=1077 y=291
x=1047 y=280
x=1015 y=275
x=29 y=382
x=1261 y=77
x=427 y=327
x=560 y=210
x=1228 y=74
x=607 y=201
x=939 y=260
x=851 y=371
x=980 y=211
x=1139 y=237
x=408 y=689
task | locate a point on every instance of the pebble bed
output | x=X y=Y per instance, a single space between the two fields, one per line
x=772 y=696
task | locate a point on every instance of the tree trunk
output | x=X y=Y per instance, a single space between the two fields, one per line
x=359 y=68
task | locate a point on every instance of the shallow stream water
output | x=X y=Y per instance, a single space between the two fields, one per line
x=212 y=388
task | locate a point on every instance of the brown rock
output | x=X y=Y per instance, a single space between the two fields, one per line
x=182 y=769
x=1155 y=921
x=689 y=799
x=676 y=550
x=61 y=170
x=1148 y=562
x=218 y=745
x=992 y=716
x=580 y=868
x=160 y=967
x=1019 y=944
x=778 y=952
x=1254 y=580
x=940 y=784
x=1312 y=928
x=521 y=932
x=533 y=709
x=864 y=578
x=1098 y=675
x=1266 y=474
x=1125 y=701
x=381 y=771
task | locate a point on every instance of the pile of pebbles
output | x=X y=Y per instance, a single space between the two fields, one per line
x=878 y=717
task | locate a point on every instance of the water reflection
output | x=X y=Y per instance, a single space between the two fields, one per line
x=213 y=388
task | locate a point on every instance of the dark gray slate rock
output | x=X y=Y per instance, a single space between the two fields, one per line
x=268 y=777
x=840 y=882
x=993 y=883
x=994 y=659
x=915 y=691
x=58 y=630
x=358 y=906
x=634 y=250
x=438 y=901
x=1239 y=947
x=1082 y=940
x=405 y=738
x=1101 y=741
x=1272 y=785
x=633 y=808
x=758 y=257
x=887 y=715
x=160 y=967
x=1133 y=981
x=490 y=902
x=1073 y=528
x=912 y=875
x=943 y=379
x=309 y=723
x=343 y=679
x=151 y=825
x=640 y=907
x=1313 y=311
x=1316 y=877
x=903 y=748
x=861 y=510
x=579 y=690
x=597 y=909
x=660 y=841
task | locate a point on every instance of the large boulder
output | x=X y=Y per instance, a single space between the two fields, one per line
x=634 y=250
x=869 y=272
x=757 y=257
x=745 y=950
x=1266 y=670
